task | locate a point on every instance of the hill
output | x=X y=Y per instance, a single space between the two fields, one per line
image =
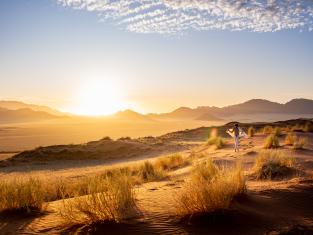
x=15 y=105
x=24 y=115
x=254 y=106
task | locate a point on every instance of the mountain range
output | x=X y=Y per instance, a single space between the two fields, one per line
x=15 y=111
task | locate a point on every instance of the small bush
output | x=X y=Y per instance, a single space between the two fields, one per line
x=20 y=194
x=277 y=131
x=297 y=128
x=171 y=162
x=308 y=126
x=300 y=143
x=108 y=199
x=267 y=130
x=209 y=189
x=287 y=128
x=149 y=172
x=272 y=164
x=215 y=140
x=271 y=141
x=251 y=131
x=290 y=139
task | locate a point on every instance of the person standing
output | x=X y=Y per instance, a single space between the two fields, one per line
x=236 y=134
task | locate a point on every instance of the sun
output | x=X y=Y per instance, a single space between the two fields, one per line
x=98 y=97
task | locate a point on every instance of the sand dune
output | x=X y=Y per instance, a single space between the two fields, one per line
x=268 y=206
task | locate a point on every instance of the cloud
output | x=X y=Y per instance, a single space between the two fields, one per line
x=175 y=16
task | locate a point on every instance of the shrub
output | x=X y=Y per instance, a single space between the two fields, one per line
x=108 y=199
x=297 y=128
x=272 y=164
x=277 y=131
x=171 y=162
x=290 y=139
x=21 y=194
x=288 y=128
x=251 y=131
x=218 y=142
x=149 y=172
x=308 y=126
x=267 y=130
x=271 y=141
x=209 y=189
x=300 y=143
x=215 y=140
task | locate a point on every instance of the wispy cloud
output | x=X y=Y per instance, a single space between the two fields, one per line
x=173 y=16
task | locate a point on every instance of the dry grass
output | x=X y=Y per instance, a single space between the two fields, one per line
x=171 y=162
x=277 y=131
x=271 y=141
x=300 y=143
x=217 y=141
x=150 y=172
x=308 y=126
x=108 y=199
x=297 y=128
x=22 y=194
x=290 y=139
x=272 y=164
x=251 y=131
x=209 y=189
x=267 y=130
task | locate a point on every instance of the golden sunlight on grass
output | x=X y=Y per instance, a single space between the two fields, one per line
x=300 y=143
x=271 y=141
x=215 y=140
x=108 y=199
x=271 y=164
x=209 y=188
x=22 y=194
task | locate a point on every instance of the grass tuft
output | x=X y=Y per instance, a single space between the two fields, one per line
x=21 y=194
x=209 y=189
x=267 y=130
x=251 y=131
x=290 y=139
x=149 y=172
x=300 y=143
x=109 y=199
x=271 y=164
x=271 y=141
x=171 y=162
x=277 y=131
x=308 y=126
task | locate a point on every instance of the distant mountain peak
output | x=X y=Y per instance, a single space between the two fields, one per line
x=15 y=105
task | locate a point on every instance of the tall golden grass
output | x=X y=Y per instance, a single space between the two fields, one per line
x=251 y=131
x=108 y=199
x=272 y=164
x=172 y=162
x=30 y=192
x=308 y=126
x=271 y=141
x=300 y=143
x=209 y=188
x=277 y=131
x=290 y=139
x=22 y=194
x=267 y=130
x=149 y=172
x=215 y=140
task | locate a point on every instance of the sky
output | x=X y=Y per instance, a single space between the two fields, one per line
x=99 y=56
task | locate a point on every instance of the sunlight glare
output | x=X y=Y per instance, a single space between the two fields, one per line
x=99 y=97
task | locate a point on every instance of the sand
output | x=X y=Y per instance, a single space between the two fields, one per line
x=268 y=207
